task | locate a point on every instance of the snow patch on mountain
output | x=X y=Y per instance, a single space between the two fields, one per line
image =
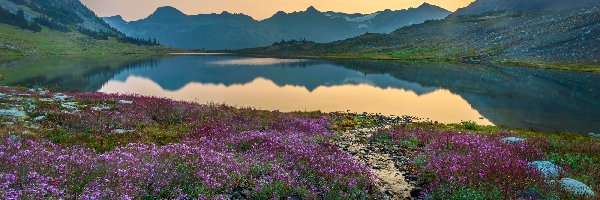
x=363 y=18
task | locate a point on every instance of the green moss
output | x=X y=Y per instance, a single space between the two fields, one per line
x=59 y=136
x=461 y=193
x=573 y=160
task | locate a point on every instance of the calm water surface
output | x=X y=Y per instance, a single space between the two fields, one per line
x=512 y=97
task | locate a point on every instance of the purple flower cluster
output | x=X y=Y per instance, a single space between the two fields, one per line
x=221 y=152
x=456 y=160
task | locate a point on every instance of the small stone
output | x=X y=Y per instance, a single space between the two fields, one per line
x=69 y=105
x=513 y=139
x=13 y=112
x=125 y=102
x=576 y=187
x=122 y=131
x=546 y=168
x=594 y=135
x=46 y=100
x=39 y=118
x=14 y=138
x=60 y=97
x=389 y=193
x=100 y=108
x=416 y=192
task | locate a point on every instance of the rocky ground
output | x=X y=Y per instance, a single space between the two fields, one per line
x=389 y=161
x=386 y=161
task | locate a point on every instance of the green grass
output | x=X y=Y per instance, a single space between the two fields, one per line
x=580 y=67
x=20 y=42
x=440 y=53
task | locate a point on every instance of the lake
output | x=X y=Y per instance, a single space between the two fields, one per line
x=512 y=97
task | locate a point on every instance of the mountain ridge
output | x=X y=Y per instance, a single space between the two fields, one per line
x=560 y=39
x=245 y=31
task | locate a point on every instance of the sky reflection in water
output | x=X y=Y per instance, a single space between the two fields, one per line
x=512 y=97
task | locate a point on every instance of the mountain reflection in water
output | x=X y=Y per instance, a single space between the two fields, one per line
x=512 y=97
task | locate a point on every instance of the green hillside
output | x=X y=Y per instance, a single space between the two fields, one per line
x=16 y=41
x=62 y=27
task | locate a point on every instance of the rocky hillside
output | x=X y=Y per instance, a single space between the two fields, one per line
x=483 y=6
x=567 y=37
x=61 y=12
x=235 y=31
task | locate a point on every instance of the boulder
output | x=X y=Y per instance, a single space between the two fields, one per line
x=513 y=139
x=546 y=168
x=577 y=188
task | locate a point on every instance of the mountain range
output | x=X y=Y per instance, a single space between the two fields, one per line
x=234 y=31
x=532 y=33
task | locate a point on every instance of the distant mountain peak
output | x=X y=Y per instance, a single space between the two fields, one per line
x=167 y=13
x=430 y=6
x=312 y=9
x=168 y=10
x=117 y=17
x=425 y=4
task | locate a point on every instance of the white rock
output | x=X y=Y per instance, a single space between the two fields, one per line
x=99 y=108
x=546 y=168
x=125 y=101
x=69 y=105
x=46 y=100
x=513 y=139
x=13 y=112
x=60 y=97
x=39 y=118
x=576 y=187
x=121 y=131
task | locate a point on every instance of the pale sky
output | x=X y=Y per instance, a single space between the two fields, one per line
x=258 y=9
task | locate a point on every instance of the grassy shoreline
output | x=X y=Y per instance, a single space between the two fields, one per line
x=576 y=67
x=265 y=153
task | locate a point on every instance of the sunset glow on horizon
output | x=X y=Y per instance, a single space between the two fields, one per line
x=258 y=9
